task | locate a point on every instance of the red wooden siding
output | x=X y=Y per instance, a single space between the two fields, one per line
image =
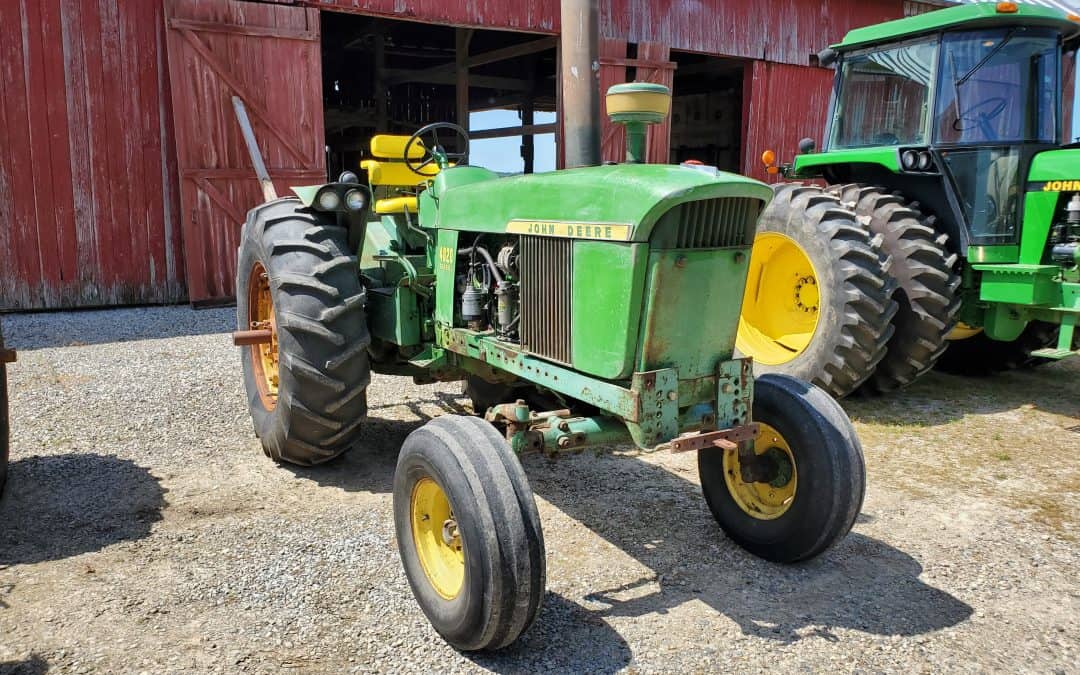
x=87 y=177
x=534 y=16
x=782 y=105
x=269 y=56
x=785 y=31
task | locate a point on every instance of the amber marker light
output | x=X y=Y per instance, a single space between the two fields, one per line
x=1007 y=8
x=768 y=158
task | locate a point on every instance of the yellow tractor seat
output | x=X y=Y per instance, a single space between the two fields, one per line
x=392 y=205
x=390 y=170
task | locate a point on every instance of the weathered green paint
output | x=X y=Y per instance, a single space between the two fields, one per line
x=810 y=165
x=631 y=194
x=445 y=270
x=306 y=193
x=696 y=336
x=393 y=315
x=965 y=16
x=609 y=279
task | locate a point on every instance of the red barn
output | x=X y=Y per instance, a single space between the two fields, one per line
x=123 y=175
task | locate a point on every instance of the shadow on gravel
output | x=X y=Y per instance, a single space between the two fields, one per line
x=938 y=398
x=59 y=506
x=369 y=467
x=661 y=520
x=90 y=327
x=553 y=643
x=35 y=665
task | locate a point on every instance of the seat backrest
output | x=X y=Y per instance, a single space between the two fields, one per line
x=389 y=169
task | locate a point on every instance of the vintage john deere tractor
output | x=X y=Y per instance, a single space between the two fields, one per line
x=584 y=288
x=946 y=140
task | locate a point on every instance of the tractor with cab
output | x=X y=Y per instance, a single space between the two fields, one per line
x=948 y=231
x=571 y=304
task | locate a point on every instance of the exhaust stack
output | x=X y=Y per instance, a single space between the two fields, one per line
x=580 y=82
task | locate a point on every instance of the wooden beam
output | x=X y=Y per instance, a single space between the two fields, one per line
x=463 y=36
x=252 y=31
x=523 y=130
x=493 y=56
x=396 y=76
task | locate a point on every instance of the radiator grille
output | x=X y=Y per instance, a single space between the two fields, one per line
x=709 y=223
x=545 y=265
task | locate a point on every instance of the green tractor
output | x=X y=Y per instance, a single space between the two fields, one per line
x=571 y=304
x=949 y=229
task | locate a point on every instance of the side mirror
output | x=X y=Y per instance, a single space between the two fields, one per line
x=826 y=57
x=806 y=146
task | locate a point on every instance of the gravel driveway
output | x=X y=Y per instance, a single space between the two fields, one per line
x=144 y=530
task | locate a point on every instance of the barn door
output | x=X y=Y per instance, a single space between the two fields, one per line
x=269 y=56
x=651 y=65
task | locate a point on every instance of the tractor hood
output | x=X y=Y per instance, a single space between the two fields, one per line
x=619 y=202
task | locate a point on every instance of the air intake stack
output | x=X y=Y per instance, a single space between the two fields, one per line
x=636 y=105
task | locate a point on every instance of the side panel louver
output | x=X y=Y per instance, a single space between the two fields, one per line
x=709 y=223
x=546 y=266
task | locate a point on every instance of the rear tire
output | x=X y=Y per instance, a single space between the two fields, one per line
x=480 y=575
x=322 y=337
x=829 y=475
x=848 y=322
x=923 y=268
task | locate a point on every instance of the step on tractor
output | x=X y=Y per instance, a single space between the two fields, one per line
x=571 y=304
x=948 y=229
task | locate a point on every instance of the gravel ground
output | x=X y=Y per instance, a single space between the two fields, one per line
x=143 y=530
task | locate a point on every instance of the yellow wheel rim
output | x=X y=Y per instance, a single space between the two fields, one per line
x=264 y=357
x=764 y=501
x=438 y=542
x=782 y=301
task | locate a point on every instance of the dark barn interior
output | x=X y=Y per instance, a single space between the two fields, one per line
x=391 y=76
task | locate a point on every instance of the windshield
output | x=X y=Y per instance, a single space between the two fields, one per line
x=884 y=97
x=998 y=86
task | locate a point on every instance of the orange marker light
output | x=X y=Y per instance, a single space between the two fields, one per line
x=1073 y=17
x=768 y=158
x=1007 y=8
x=772 y=170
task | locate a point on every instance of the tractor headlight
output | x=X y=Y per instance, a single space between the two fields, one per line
x=910 y=159
x=925 y=161
x=355 y=200
x=328 y=200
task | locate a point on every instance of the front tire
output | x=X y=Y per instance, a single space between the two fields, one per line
x=306 y=389
x=980 y=356
x=818 y=300
x=813 y=497
x=468 y=533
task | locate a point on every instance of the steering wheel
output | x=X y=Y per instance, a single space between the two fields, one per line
x=975 y=116
x=434 y=152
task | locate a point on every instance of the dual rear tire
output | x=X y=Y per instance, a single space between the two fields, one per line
x=884 y=282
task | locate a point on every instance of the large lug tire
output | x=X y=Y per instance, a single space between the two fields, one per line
x=298 y=266
x=5 y=427
x=469 y=533
x=924 y=270
x=817 y=492
x=979 y=356
x=818 y=302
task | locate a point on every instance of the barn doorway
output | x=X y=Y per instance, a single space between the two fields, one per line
x=706 y=110
x=391 y=76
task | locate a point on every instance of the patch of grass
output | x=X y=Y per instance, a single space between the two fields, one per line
x=1001 y=455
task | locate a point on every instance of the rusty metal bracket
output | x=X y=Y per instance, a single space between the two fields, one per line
x=7 y=356
x=727 y=439
x=245 y=338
